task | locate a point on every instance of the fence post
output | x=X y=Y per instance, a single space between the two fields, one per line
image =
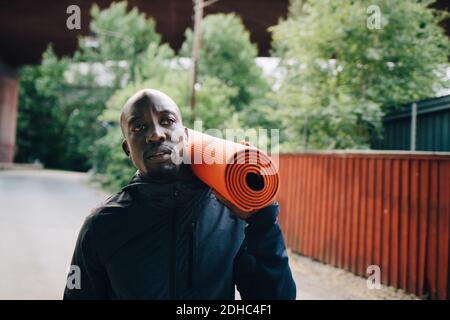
x=413 y=126
x=305 y=134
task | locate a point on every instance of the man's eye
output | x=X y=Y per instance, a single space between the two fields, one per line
x=139 y=127
x=167 y=121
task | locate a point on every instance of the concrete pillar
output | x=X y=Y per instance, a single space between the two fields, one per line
x=9 y=89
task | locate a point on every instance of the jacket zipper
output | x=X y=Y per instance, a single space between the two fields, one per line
x=173 y=261
x=192 y=254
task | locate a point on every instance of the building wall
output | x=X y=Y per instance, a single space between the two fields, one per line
x=432 y=127
x=8 y=115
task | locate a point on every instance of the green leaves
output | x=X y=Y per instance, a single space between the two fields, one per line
x=341 y=74
x=122 y=48
x=227 y=54
x=117 y=34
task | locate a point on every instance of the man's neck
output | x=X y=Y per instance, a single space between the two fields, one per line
x=184 y=174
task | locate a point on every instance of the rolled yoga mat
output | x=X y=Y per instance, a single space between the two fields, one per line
x=244 y=175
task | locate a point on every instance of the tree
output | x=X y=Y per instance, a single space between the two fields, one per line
x=39 y=128
x=118 y=35
x=341 y=75
x=123 y=48
x=228 y=54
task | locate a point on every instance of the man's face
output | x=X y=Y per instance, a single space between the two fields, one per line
x=149 y=122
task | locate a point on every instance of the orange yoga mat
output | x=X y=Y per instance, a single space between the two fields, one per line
x=244 y=175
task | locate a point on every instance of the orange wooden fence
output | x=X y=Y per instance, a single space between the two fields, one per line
x=353 y=210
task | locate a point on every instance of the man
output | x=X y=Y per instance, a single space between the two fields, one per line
x=166 y=235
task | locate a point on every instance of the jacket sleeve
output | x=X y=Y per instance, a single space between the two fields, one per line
x=87 y=278
x=261 y=269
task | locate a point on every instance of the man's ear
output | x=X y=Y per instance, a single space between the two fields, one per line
x=125 y=148
x=186 y=134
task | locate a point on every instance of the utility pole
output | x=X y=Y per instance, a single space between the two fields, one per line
x=198 y=8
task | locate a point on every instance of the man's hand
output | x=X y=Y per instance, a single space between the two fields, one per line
x=241 y=214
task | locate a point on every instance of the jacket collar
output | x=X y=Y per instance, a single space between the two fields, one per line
x=182 y=190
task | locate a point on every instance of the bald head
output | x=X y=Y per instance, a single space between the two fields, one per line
x=152 y=99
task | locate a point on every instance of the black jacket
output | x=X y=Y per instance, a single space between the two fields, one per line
x=177 y=241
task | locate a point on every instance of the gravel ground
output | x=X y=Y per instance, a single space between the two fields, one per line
x=317 y=281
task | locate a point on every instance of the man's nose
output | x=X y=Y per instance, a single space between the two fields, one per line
x=155 y=135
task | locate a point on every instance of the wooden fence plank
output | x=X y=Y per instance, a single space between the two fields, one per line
x=413 y=228
x=342 y=212
x=404 y=221
x=424 y=201
x=386 y=221
x=430 y=284
x=311 y=220
x=348 y=212
x=370 y=214
x=443 y=240
x=362 y=218
x=395 y=231
x=378 y=212
x=356 y=209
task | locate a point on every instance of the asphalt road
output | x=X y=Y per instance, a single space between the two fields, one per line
x=41 y=212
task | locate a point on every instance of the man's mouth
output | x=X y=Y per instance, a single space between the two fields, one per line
x=160 y=155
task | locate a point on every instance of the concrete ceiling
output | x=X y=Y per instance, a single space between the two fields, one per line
x=26 y=27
